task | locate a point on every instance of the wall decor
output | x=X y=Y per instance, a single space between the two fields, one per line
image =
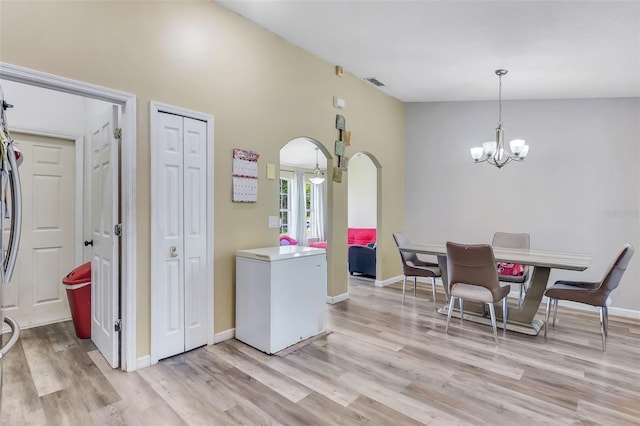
x=346 y=137
x=245 y=176
x=339 y=148
x=340 y=122
x=343 y=163
x=337 y=175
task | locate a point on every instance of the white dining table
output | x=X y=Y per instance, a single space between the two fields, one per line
x=540 y=263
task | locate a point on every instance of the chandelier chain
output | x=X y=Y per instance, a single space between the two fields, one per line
x=500 y=100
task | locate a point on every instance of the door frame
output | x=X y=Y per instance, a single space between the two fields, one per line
x=128 y=265
x=155 y=108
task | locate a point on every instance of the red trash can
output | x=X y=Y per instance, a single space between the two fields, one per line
x=78 y=285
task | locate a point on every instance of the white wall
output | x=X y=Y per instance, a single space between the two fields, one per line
x=363 y=190
x=577 y=191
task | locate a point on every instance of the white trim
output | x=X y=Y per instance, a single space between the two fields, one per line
x=143 y=362
x=388 y=281
x=621 y=312
x=36 y=324
x=626 y=313
x=225 y=335
x=78 y=248
x=128 y=210
x=154 y=109
x=50 y=133
x=339 y=298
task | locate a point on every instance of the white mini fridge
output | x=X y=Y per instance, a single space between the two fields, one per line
x=281 y=296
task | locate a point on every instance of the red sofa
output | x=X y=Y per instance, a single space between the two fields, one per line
x=355 y=236
x=361 y=236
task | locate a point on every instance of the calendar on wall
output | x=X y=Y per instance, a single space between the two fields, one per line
x=245 y=176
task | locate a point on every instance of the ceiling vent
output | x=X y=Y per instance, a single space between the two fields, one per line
x=375 y=81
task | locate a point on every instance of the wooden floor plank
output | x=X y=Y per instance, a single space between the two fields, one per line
x=286 y=387
x=383 y=363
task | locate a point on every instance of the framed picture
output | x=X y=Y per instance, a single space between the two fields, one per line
x=339 y=148
x=346 y=137
x=337 y=175
x=343 y=163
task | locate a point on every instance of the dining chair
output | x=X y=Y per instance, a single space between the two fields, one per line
x=517 y=241
x=412 y=266
x=590 y=293
x=473 y=276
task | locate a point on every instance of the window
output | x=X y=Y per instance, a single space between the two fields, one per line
x=285 y=205
x=308 y=202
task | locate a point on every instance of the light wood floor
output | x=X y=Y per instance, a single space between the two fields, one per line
x=381 y=364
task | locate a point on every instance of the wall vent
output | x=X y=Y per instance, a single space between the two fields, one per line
x=375 y=81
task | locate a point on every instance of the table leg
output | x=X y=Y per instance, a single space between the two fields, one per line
x=442 y=264
x=533 y=297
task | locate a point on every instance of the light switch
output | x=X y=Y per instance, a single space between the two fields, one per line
x=271 y=171
x=274 y=222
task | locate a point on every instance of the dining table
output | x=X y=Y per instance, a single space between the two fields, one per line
x=519 y=319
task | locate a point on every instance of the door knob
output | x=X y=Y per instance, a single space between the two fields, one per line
x=172 y=251
x=88 y=243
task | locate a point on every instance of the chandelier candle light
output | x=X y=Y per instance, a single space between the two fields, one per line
x=317 y=178
x=496 y=152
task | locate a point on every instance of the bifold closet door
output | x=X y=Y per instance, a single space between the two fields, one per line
x=179 y=292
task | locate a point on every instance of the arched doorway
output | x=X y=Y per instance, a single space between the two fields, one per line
x=303 y=193
x=363 y=215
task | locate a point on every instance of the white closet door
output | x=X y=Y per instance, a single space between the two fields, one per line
x=195 y=232
x=168 y=288
x=179 y=294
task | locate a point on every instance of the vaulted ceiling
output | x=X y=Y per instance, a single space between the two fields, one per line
x=448 y=50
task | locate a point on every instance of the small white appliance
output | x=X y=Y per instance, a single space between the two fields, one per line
x=281 y=296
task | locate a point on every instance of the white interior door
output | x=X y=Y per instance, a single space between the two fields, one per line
x=105 y=277
x=35 y=295
x=179 y=230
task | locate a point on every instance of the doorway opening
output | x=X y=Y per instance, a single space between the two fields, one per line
x=303 y=193
x=363 y=216
x=122 y=341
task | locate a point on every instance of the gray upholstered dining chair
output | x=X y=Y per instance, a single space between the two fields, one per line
x=473 y=276
x=590 y=293
x=414 y=267
x=517 y=241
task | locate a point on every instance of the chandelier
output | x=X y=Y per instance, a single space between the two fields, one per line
x=496 y=152
x=317 y=178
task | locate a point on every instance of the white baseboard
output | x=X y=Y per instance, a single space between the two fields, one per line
x=515 y=293
x=142 y=362
x=388 y=281
x=620 y=312
x=339 y=298
x=145 y=361
x=34 y=324
x=626 y=313
x=224 y=335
